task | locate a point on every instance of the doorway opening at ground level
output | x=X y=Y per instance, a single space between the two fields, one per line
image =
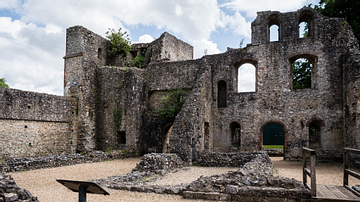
x=274 y=137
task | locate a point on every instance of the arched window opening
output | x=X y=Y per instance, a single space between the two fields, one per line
x=235 y=134
x=303 y=30
x=273 y=136
x=301 y=73
x=274 y=33
x=315 y=134
x=221 y=94
x=305 y=24
x=246 y=78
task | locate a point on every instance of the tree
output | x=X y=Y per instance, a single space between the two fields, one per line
x=3 y=83
x=119 y=43
x=348 y=9
x=301 y=73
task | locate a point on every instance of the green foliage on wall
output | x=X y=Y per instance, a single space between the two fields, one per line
x=348 y=9
x=138 y=61
x=117 y=114
x=171 y=103
x=3 y=83
x=119 y=43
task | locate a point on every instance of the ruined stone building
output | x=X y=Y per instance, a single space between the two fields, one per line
x=215 y=116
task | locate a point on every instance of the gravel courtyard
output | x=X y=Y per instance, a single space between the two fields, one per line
x=42 y=183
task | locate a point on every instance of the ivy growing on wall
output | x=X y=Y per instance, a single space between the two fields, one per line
x=171 y=103
x=117 y=114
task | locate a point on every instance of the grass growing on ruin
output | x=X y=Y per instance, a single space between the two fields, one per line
x=171 y=103
x=273 y=146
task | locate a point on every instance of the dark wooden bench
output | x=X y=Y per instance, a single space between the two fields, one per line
x=321 y=192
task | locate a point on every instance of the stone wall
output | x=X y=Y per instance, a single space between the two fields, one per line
x=33 y=124
x=85 y=52
x=125 y=88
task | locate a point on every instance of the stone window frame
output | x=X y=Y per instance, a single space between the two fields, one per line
x=308 y=17
x=313 y=59
x=235 y=73
x=274 y=19
x=318 y=122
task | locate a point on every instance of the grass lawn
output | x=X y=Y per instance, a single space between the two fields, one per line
x=273 y=146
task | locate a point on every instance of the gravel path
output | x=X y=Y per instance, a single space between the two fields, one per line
x=42 y=183
x=326 y=173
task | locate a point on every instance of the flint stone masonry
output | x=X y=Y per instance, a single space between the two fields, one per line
x=35 y=124
x=10 y=192
x=32 y=163
x=252 y=182
x=157 y=161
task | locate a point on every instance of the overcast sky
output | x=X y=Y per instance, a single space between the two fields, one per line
x=32 y=32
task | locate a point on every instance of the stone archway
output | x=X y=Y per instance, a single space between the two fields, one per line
x=166 y=133
x=285 y=135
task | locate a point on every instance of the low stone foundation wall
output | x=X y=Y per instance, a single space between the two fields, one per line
x=252 y=182
x=275 y=152
x=218 y=159
x=10 y=192
x=32 y=163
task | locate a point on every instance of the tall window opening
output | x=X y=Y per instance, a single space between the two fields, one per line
x=246 y=78
x=301 y=73
x=305 y=24
x=206 y=136
x=99 y=53
x=315 y=134
x=303 y=30
x=235 y=134
x=274 y=33
x=221 y=94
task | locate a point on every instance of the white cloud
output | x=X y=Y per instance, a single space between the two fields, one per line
x=9 y=4
x=32 y=47
x=30 y=58
x=254 y=6
x=145 y=39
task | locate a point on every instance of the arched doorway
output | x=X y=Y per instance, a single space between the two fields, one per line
x=273 y=136
x=166 y=133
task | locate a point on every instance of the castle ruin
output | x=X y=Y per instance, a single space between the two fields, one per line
x=215 y=116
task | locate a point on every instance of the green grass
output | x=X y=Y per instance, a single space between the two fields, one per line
x=273 y=146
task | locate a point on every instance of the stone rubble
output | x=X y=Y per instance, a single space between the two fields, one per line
x=252 y=182
x=151 y=167
x=10 y=192
x=32 y=163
